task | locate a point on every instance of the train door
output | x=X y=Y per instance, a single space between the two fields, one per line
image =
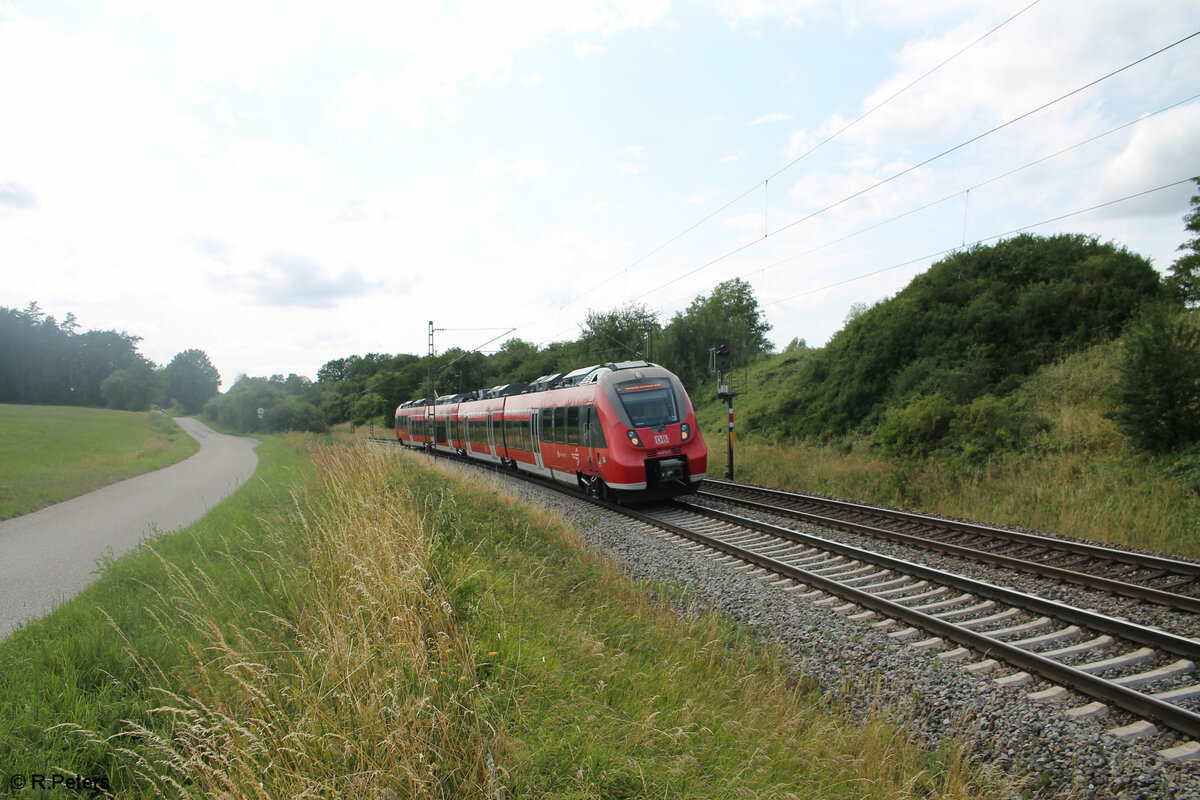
x=592 y=438
x=535 y=436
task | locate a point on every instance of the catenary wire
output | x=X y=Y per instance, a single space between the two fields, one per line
x=781 y=170
x=910 y=169
x=978 y=242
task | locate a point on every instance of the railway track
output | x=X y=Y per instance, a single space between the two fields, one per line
x=1147 y=578
x=1061 y=653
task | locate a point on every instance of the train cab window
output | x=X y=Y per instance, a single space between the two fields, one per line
x=649 y=404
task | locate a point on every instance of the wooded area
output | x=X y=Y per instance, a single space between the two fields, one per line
x=43 y=361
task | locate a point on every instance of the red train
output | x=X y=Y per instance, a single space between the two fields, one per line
x=623 y=431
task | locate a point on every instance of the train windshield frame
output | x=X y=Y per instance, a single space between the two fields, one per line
x=649 y=403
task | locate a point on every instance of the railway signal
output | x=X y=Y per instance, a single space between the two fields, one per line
x=722 y=364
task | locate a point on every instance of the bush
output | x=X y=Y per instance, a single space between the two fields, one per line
x=291 y=414
x=1157 y=396
x=917 y=430
x=991 y=425
x=968 y=434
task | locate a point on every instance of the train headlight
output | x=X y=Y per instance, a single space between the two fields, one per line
x=685 y=431
x=633 y=437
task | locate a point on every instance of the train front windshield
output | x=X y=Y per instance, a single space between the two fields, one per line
x=649 y=404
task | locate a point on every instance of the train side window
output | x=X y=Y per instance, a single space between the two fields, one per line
x=595 y=429
x=573 y=423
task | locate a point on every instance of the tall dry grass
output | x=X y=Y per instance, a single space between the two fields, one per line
x=363 y=687
x=400 y=632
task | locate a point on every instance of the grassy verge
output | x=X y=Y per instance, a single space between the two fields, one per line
x=53 y=453
x=391 y=631
x=72 y=669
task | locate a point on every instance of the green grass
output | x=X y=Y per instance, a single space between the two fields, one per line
x=53 y=453
x=73 y=668
x=378 y=629
x=1078 y=478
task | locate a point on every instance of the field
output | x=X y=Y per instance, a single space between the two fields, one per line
x=53 y=453
x=353 y=622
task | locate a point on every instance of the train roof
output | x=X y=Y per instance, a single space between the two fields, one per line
x=557 y=380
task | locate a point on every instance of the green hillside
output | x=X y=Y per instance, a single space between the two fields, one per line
x=975 y=323
x=1070 y=470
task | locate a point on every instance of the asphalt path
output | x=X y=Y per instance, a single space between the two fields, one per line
x=49 y=555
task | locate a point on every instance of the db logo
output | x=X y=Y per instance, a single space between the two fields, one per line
x=661 y=439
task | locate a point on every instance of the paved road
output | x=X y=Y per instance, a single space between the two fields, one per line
x=49 y=555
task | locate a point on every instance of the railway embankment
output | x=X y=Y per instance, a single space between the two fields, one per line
x=366 y=625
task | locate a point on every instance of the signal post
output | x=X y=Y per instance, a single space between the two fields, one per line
x=722 y=364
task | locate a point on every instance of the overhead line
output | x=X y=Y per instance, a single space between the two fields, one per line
x=880 y=105
x=926 y=162
x=978 y=242
x=981 y=184
x=782 y=169
x=985 y=134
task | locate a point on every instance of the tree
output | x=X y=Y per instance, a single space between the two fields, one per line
x=1157 y=394
x=730 y=312
x=618 y=335
x=1184 y=281
x=191 y=380
x=42 y=361
x=134 y=388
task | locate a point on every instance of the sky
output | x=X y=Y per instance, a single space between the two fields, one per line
x=283 y=184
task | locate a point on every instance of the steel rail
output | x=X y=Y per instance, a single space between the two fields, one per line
x=1170 y=642
x=1173 y=716
x=1098 y=551
x=1135 y=591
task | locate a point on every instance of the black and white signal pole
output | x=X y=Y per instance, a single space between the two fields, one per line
x=723 y=366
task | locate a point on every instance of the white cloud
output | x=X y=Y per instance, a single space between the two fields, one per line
x=14 y=195
x=1160 y=151
x=776 y=117
x=586 y=49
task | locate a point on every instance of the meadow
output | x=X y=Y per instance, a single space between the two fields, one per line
x=53 y=453
x=357 y=622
